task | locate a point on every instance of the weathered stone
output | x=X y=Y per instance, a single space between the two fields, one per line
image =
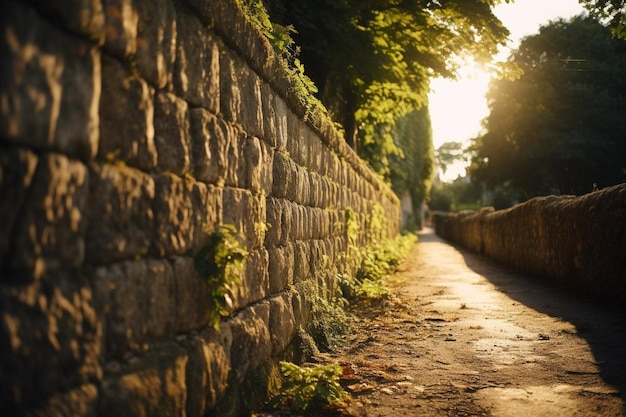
x=126 y=117
x=84 y=17
x=269 y=115
x=120 y=218
x=196 y=70
x=257 y=275
x=294 y=133
x=303 y=189
x=247 y=213
x=207 y=369
x=172 y=138
x=206 y=212
x=81 y=401
x=251 y=108
x=121 y=20
x=282 y=323
x=152 y=384
x=316 y=150
x=231 y=69
x=273 y=219
x=173 y=215
x=259 y=166
x=210 y=138
x=50 y=85
x=303 y=295
x=283 y=172
x=236 y=165
x=301 y=262
x=136 y=300
x=281 y=261
x=251 y=344
x=156 y=41
x=17 y=167
x=192 y=296
x=51 y=340
x=254 y=283
x=282 y=132
x=297 y=222
x=50 y=233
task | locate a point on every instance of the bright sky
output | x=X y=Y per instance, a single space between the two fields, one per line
x=457 y=108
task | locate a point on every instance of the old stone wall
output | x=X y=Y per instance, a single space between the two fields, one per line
x=579 y=242
x=129 y=130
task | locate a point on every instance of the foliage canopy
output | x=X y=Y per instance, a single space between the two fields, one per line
x=560 y=127
x=612 y=12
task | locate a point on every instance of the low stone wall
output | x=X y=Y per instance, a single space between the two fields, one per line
x=130 y=130
x=577 y=241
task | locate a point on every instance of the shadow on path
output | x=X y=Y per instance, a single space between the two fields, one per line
x=601 y=324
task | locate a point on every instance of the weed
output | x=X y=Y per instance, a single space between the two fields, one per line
x=310 y=388
x=330 y=322
x=220 y=262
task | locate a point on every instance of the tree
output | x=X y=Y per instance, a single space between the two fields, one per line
x=414 y=171
x=560 y=127
x=372 y=59
x=449 y=153
x=613 y=12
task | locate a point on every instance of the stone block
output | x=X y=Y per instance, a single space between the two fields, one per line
x=251 y=344
x=254 y=283
x=210 y=137
x=247 y=213
x=314 y=189
x=283 y=175
x=281 y=112
x=184 y=211
x=269 y=115
x=50 y=85
x=251 y=108
x=302 y=297
x=231 y=73
x=120 y=30
x=258 y=158
x=301 y=261
x=282 y=324
x=172 y=135
x=206 y=212
x=152 y=384
x=17 y=168
x=192 y=296
x=196 y=70
x=236 y=164
x=257 y=275
x=50 y=233
x=137 y=303
x=120 y=217
x=83 y=17
x=280 y=268
x=156 y=41
x=316 y=150
x=303 y=188
x=208 y=368
x=52 y=339
x=273 y=218
x=294 y=133
x=126 y=117
x=296 y=231
x=81 y=401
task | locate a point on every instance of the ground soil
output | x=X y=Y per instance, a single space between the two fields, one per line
x=466 y=337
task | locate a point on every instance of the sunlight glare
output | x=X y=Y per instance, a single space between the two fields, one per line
x=457 y=109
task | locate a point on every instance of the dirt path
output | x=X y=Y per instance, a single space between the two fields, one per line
x=469 y=338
